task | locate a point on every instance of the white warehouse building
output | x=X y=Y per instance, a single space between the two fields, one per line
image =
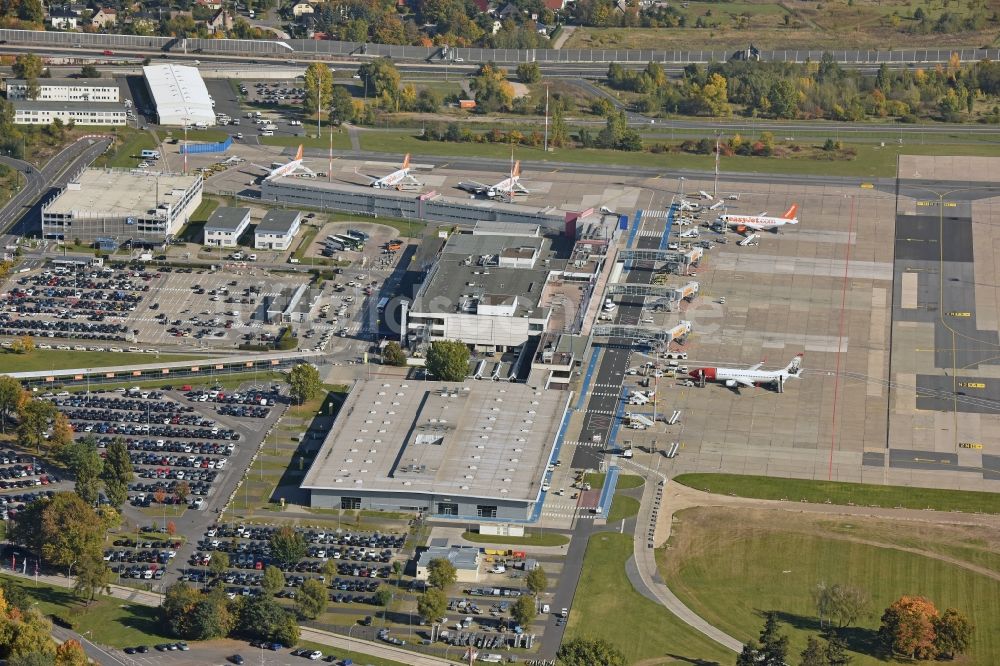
x=180 y=95
x=66 y=90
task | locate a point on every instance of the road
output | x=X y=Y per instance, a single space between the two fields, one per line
x=55 y=174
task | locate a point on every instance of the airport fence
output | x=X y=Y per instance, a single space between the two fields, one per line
x=216 y=147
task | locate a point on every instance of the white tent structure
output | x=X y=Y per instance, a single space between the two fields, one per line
x=180 y=95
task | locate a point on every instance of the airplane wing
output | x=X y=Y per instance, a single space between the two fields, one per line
x=755 y=367
x=762 y=213
x=472 y=186
x=745 y=382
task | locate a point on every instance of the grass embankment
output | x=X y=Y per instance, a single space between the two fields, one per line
x=107 y=621
x=61 y=359
x=535 y=538
x=606 y=606
x=835 y=492
x=130 y=143
x=232 y=380
x=10 y=182
x=729 y=566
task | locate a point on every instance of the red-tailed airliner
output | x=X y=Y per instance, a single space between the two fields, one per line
x=752 y=376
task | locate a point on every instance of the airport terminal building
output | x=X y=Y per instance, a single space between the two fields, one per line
x=485 y=289
x=65 y=90
x=475 y=450
x=121 y=205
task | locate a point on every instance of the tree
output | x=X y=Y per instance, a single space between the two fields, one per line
x=493 y=91
x=524 y=610
x=33 y=416
x=31 y=635
x=813 y=655
x=908 y=628
x=383 y=595
x=441 y=573
x=536 y=580
x=287 y=546
x=11 y=395
x=92 y=576
x=749 y=655
x=261 y=617
x=588 y=652
x=558 y=133
x=836 y=652
x=90 y=72
x=529 y=72
x=219 y=563
x=117 y=472
x=62 y=528
x=62 y=433
x=341 y=105
x=182 y=490
x=304 y=382
x=773 y=645
x=432 y=604
x=310 y=602
x=71 y=653
x=393 y=354
x=28 y=66
x=31 y=11
x=209 y=618
x=448 y=360
x=843 y=604
x=379 y=76
x=273 y=580
x=319 y=88
x=954 y=633
x=178 y=606
x=85 y=464
x=23 y=344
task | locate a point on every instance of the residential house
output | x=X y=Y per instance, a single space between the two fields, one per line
x=62 y=18
x=510 y=9
x=302 y=8
x=221 y=21
x=105 y=17
x=209 y=4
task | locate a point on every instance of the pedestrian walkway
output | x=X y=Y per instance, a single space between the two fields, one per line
x=371 y=648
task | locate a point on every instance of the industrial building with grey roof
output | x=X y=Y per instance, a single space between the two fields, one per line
x=476 y=450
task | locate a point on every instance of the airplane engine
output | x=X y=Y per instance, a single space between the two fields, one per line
x=730 y=383
x=741 y=229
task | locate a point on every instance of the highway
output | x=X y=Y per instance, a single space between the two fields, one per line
x=56 y=172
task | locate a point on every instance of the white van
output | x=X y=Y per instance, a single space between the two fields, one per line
x=267 y=133
x=150 y=154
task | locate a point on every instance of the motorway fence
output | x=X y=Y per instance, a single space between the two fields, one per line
x=326 y=48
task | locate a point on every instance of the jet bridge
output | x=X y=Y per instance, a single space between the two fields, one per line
x=678 y=261
x=677 y=333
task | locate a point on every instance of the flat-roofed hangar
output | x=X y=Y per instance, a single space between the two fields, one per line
x=476 y=450
x=179 y=94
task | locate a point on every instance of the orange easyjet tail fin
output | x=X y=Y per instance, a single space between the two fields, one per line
x=516 y=171
x=298 y=154
x=790 y=213
x=406 y=161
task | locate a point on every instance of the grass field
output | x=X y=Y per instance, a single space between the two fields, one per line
x=531 y=539
x=625 y=481
x=127 y=155
x=341 y=140
x=110 y=621
x=729 y=566
x=871 y=160
x=622 y=507
x=10 y=181
x=60 y=359
x=761 y=487
x=606 y=606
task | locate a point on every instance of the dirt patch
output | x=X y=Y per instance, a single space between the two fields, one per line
x=520 y=90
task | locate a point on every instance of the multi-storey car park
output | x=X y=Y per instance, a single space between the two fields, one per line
x=140 y=206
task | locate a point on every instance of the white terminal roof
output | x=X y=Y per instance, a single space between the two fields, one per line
x=476 y=439
x=180 y=94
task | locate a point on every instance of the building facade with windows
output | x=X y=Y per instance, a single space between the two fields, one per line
x=277 y=230
x=485 y=289
x=141 y=206
x=225 y=226
x=78 y=113
x=65 y=90
x=472 y=450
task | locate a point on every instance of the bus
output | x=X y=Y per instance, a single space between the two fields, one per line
x=382 y=302
x=348 y=241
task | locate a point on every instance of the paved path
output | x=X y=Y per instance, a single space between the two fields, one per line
x=567 y=30
x=154 y=599
x=352 y=134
